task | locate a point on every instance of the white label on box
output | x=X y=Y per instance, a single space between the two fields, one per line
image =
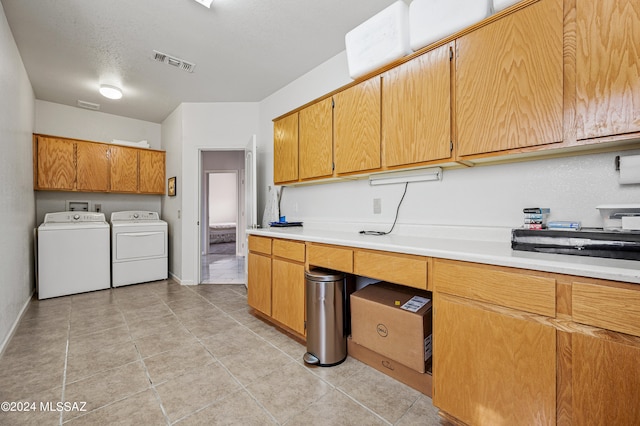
x=427 y=348
x=415 y=303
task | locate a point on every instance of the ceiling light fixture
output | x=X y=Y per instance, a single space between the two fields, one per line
x=111 y=92
x=205 y=3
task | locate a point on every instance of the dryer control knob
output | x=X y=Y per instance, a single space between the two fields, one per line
x=135 y=215
x=76 y=216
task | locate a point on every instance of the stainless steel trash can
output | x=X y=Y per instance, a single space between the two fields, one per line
x=327 y=301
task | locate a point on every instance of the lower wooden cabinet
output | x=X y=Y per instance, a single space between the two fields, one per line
x=492 y=367
x=287 y=299
x=259 y=283
x=275 y=285
x=605 y=381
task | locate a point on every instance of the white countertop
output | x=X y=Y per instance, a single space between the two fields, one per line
x=482 y=245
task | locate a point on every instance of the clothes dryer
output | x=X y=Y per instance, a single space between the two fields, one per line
x=139 y=247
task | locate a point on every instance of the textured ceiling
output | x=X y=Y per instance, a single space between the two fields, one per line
x=243 y=50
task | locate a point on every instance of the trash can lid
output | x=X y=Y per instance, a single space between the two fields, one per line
x=319 y=274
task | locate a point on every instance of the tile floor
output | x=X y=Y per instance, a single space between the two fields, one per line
x=163 y=354
x=222 y=268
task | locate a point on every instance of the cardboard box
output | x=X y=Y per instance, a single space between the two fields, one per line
x=422 y=382
x=389 y=320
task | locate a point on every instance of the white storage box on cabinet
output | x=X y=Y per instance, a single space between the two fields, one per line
x=433 y=20
x=378 y=41
x=499 y=5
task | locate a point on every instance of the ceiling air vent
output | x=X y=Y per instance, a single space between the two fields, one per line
x=173 y=61
x=88 y=105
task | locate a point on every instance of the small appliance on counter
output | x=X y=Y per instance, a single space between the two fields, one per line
x=594 y=242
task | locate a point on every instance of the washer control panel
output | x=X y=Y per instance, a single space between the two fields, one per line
x=134 y=216
x=70 y=217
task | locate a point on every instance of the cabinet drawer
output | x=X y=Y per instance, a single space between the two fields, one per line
x=260 y=244
x=613 y=308
x=331 y=257
x=517 y=290
x=396 y=268
x=289 y=250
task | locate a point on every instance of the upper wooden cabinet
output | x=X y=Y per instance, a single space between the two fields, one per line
x=356 y=127
x=152 y=171
x=607 y=67
x=124 y=169
x=416 y=109
x=285 y=149
x=74 y=165
x=54 y=163
x=92 y=167
x=509 y=81
x=316 y=140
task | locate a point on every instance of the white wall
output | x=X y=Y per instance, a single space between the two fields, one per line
x=203 y=126
x=223 y=203
x=17 y=202
x=62 y=120
x=478 y=196
x=171 y=206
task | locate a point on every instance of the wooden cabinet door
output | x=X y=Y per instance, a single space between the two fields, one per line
x=316 y=140
x=416 y=109
x=356 y=127
x=509 y=77
x=605 y=381
x=285 y=149
x=92 y=166
x=152 y=172
x=492 y=368
x=288 y=294
x=259 y=283
x=124 y=169
x=55 y=164
x=607 y=67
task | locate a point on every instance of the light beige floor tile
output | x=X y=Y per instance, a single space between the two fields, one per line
x=149 y=326
x=92 y=323
x=255 y=362
x=107 y=387
x=237 y=409
x=288 y=390
x=140 y=409
x=172 y=338
x=43 y=311
x=37 y=413
x=421 y=413
x=385 y=396
x=231 y=340
x=166 y=365
x=337 y=374
x=82 y=363
x=98 y=340
x=195 y=389
x=98 y=298
x=22 y=376
x=208 y=326
x=336 y=408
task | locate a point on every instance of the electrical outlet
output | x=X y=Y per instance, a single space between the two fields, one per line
x=97 y=207
x=377 y=205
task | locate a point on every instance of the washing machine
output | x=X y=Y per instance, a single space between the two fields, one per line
x=139 y=248
x=73 y=254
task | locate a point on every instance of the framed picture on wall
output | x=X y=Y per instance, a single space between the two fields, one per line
x=171 y=186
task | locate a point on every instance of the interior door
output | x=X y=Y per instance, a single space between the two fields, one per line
x=250 y=193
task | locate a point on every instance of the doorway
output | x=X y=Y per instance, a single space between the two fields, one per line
x=222 y=206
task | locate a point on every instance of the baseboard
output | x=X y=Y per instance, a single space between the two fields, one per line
x=14 y=326
x=179 y=281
